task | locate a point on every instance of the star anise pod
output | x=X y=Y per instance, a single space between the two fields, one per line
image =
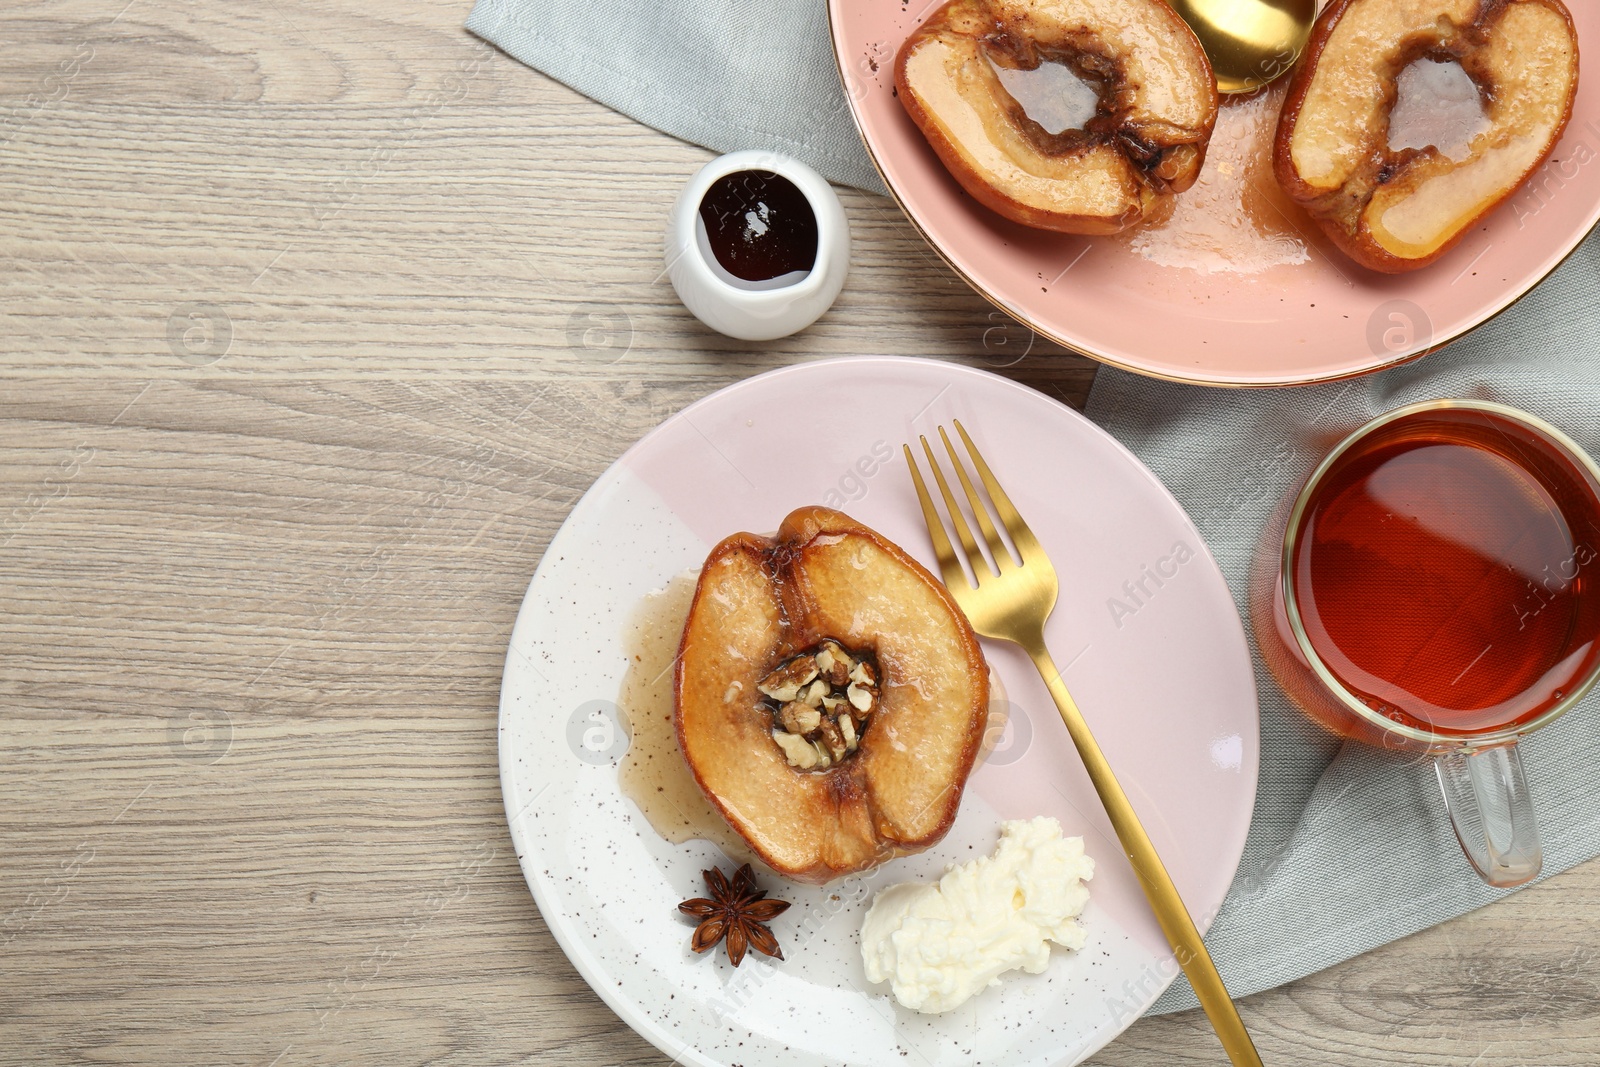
x=737 y=911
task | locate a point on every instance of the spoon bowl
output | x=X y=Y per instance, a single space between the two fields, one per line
x=1249 y=42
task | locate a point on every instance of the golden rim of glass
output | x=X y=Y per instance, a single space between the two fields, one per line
x=1330 y=682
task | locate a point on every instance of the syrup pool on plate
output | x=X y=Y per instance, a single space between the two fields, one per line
x=1234 y=219
x=653 y=773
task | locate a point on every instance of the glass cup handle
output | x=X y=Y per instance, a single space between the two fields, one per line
x=1487 y=796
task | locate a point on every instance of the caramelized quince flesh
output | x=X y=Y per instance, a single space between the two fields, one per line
x=1399 y=209
x=759 y=602
x=1156 y=104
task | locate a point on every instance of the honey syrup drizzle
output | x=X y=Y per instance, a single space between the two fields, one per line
x=653 y=773
x=1235 y=219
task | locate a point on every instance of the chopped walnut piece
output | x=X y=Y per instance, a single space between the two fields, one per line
x=835 y=665
x=784 y=683
x=800 y=752
x=798 y=718
x=833 y=738
x=781 y=693
x=820 y=702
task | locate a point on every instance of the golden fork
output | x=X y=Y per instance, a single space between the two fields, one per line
x=1011 y=603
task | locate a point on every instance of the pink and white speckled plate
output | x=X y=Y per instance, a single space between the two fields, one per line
x=1156 y=657
x=1282 y=306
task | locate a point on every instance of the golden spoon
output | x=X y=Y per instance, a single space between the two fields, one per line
x=1249 y=42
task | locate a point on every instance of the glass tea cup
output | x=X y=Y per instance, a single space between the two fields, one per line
x=1432 y=590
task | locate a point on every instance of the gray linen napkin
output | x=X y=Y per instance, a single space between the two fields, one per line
x=1350 y=847
x=727 y=74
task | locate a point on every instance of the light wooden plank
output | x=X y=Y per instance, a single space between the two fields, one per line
x=317 y=317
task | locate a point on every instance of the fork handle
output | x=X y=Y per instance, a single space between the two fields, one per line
x=1168 y=906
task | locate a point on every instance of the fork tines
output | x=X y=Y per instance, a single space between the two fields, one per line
x=1000 y=558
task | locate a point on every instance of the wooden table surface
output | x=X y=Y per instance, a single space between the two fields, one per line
x=318 y=316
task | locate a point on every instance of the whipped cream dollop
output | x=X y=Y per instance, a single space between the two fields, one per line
x=939 y=944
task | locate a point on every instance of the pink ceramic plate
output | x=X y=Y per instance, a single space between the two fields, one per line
x=1146 y=633
x=1237 y=288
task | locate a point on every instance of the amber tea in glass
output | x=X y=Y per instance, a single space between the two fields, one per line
x=1437 y=592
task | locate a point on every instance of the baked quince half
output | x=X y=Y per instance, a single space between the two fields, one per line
x=1396 y=209
x=830 y=696
x=1074 y=115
